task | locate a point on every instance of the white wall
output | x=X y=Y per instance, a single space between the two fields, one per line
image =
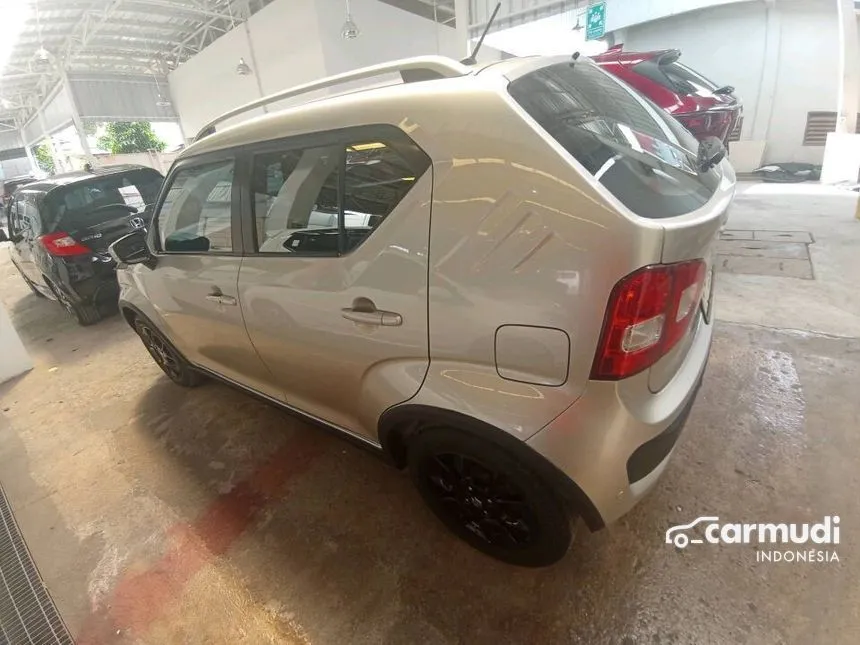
x=619 y=13
x=807 y=78
x=160 y=161
x=56 y=114
x=297 y=41
x=286 y=49
x=623 y=13
x=15 y=167
x=387 y=33
x=783 y=63
x=707 y=46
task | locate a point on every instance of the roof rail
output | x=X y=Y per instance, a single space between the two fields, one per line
x=421 y=68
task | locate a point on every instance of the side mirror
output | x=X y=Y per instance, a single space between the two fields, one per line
x=131 y=249
x=711 y=152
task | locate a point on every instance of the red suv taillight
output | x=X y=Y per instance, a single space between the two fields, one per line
x=715 y=123
x=649 y=311
x=62 y=244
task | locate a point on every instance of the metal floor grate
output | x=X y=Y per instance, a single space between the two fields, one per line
x=27 y=613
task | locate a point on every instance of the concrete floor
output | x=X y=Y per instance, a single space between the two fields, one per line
x=159 y=515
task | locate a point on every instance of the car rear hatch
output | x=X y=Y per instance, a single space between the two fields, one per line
x=647 y=166
x=99 y=235
x=706 y=108
x=99 y=211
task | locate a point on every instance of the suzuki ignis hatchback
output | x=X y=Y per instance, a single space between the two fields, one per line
x=498 y=276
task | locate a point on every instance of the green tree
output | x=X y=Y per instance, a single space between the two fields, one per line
x=42 y=154
x=122 y=137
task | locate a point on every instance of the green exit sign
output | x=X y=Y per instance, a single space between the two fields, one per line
x=595 y=21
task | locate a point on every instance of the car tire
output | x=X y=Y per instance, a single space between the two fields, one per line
x=166 y=356
x=85 y=313
x=489 y=498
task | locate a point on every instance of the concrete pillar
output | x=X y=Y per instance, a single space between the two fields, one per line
x=15 y=361
x=34 y=167
x=761 y=116
x=462 y=19
x=842 y=150
x=59 y=164
x=849 y=68
x=77 y=121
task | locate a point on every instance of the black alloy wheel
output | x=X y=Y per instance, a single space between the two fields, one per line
x=489 y=497
x=166 y=356
x=483 y=501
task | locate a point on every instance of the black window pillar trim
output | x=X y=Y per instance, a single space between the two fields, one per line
x=242 y=188
x=341 y=200
x=236 y=189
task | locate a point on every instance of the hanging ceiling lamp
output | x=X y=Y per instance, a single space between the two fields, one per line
x=42 y=58
x=243 y=69
x=350 y=29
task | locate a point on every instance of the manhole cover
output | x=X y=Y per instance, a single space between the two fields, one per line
x=773 y=253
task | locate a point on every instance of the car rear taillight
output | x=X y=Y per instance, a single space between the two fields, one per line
x=707 y=124
x=62 y=244
x=649 y=311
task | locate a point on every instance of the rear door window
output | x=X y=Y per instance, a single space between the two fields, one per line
x=628 y=144
x=327 y=200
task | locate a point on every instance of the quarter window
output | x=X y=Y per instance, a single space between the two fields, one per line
x=377 y=179
x=28 y=217
x=196 y=215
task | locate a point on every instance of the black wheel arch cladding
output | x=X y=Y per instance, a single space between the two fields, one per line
x=399 y=423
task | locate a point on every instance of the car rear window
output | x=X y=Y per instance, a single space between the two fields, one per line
x=632 y=147
x=674 y=76
x=103 y=198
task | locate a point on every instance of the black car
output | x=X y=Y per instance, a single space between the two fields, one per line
x=9 y=188
x=61 y=228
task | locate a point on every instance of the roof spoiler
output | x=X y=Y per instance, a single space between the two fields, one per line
x=411 y=70
x=667 y=57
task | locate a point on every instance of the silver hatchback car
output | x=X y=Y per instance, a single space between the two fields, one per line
x=498 y=276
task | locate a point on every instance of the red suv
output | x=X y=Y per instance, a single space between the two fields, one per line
x=703 y=107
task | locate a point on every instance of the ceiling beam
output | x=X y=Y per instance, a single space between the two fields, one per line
x=172 y=7
x=178 y=7
x=199 y=34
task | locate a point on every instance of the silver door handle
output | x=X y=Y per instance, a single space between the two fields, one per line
x=382 y=318
x=221 y=300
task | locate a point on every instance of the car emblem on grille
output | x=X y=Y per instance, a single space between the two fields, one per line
x=136 y=222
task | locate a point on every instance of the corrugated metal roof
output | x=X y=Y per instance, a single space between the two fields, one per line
x=112 y=36
x=126 y=37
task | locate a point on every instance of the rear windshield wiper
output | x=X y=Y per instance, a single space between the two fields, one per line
x=725 y=89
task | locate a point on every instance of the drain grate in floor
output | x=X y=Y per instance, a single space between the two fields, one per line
x=783 y=254
x=27 y=613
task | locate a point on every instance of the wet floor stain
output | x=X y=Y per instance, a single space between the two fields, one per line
x=777 y=395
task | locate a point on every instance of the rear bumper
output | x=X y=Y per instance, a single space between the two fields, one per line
x=89 y=279
x=617 y=439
